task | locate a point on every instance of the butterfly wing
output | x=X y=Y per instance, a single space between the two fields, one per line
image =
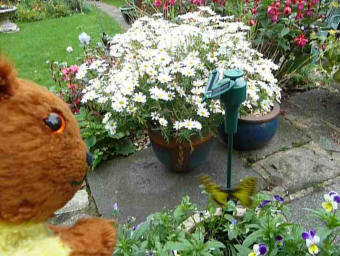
x=245 y=190
x=216 y=193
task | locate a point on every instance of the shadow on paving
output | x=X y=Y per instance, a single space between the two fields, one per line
x=141 y=185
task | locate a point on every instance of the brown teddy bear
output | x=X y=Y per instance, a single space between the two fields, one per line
x=43 y=161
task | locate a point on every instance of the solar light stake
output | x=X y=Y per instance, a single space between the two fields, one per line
x=231 y=91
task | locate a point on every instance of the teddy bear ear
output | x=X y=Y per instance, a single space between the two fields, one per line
x=8 y=81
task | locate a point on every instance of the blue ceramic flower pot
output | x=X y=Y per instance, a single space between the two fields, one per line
x=254 y=132
x=180 y=157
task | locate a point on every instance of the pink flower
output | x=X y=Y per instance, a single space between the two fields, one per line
x=251 y=22
x=300 y=5
x=173 y=2
x=157 y=3
x=309 y=12
x=299 y=15
x=287 y=10
x=73 y=69
x=271 y=9
x=275 y=18
x=65 y=71
x=253 y=10
x=300 y=40
x=197 y=2
x=315 y=1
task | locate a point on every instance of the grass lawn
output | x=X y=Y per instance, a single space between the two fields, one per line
x=117 y=3
x=45 y=40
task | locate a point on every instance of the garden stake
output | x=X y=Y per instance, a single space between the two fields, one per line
x=231 y=91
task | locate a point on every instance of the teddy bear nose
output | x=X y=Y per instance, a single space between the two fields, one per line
x=89 y=158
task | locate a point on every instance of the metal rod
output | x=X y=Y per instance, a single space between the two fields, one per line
x=230 y=155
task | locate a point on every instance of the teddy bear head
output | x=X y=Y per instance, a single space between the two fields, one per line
x=43 y=159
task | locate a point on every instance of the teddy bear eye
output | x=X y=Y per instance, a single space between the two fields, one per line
x=55 y=122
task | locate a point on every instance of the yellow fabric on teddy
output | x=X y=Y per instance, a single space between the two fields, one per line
x=30 y=239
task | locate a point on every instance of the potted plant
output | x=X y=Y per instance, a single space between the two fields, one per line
x=155 y=75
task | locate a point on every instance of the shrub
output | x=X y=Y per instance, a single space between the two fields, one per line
x=34 y=10
x=102 y=144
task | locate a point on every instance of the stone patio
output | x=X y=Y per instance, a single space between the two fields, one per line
x=302 y=162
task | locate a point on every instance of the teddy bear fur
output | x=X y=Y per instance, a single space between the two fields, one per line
x=40 y=171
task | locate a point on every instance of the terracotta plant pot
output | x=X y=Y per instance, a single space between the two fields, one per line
x=180 y=157
x=254 y=132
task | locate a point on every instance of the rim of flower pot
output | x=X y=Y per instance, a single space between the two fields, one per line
x=126 y=8
x=196 y=139
x=7 y=9
x=262 y=119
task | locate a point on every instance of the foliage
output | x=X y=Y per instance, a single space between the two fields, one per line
x=284 y=31
x=260 y=231
x=99 y=141
x=35 y=10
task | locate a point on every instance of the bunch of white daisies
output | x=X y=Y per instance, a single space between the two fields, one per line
x=156 y=73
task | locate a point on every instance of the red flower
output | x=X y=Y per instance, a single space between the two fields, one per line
x=287 y=10
x=251 y=22
x=253 y=10
x=300 y=40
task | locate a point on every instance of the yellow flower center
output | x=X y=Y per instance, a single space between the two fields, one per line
x=327 y=206
x=252 y=254
x=313 y=249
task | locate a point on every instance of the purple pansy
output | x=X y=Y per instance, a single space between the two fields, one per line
x=311 y=241
x=259 y=249
x=264 y=203
x=308 y=235
x=278 y=238
x=278 y=198
x=336 y=198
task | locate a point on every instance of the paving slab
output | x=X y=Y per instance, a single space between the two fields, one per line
x=312 y=201
x=317 y=112
x=141 y=185
x=287 y=136
x=70 y=217
x=79 y=201
x=299 y=168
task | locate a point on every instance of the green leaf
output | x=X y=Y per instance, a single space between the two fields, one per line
x=126 y=148
x=179 y=246
x=214 y=244
x=118 y=135
x=232 y=234
x=141 y=230
x=90 y=142
x=252 y=238
x=284 y=32
x=242 y=250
